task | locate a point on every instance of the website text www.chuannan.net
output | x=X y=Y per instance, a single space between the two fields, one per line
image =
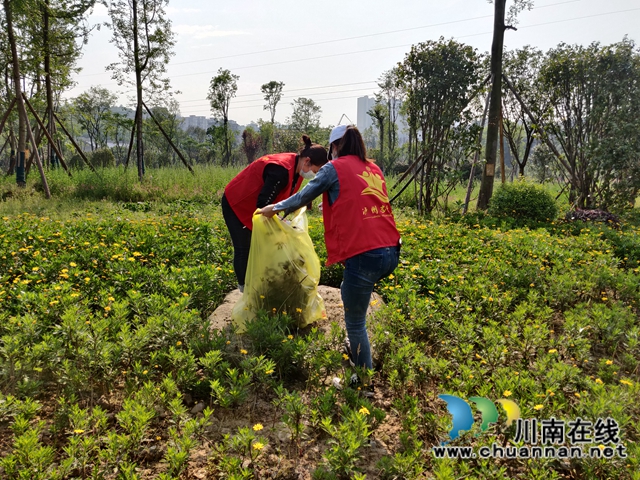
x=528 y=451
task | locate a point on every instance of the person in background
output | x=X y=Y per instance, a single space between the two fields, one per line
x=269 y=179
x=360 y=230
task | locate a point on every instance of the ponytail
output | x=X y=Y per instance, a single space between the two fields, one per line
x=317 y=153
x=352 y=143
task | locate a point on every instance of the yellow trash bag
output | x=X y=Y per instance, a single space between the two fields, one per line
x=283 y=272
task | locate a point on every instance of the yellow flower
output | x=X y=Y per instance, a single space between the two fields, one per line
x=243 y=351
x=626 y=382
x=257 y=427
x=269 y=372
x=577 y=394
x=178 y=343
x=72 y=264
x=345 y=356
x=111 y=299
x=78 y=431
x=553 y=350
x=298 y=310
x=290 y=337
x=364 y=411
x=185 y=294
x=35 y=269
x=598 y=381
x=107 y=309
x=506 y=393
x=258 y=446
x=609 y=362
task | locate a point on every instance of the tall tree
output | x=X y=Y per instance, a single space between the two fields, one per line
x=64 y=30
x=92 y=110
x=378 y=114
x=305 y=117
x=440 y=78
x=391 y=95
x=15 y=63
x=593 y=120
x=495 y=103
x=272 y=94
x=142 y=33
x=222 y=89
x=521 y=67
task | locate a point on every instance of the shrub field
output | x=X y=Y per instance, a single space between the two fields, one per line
x=108 y=367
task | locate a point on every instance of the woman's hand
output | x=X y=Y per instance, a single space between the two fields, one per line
x=268 y=211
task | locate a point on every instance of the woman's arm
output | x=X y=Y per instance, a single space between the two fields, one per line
x=276 y=178
x=323 y=181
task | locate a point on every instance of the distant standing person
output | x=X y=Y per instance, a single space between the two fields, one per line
x=360 y=230
x=271 y=178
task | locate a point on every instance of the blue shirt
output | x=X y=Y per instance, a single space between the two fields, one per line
x=326 y=180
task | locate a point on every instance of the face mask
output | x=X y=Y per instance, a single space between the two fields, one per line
x=310 y=175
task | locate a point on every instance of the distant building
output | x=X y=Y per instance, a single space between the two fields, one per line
x=365 y=121
x=365 y=104
x=195 y=121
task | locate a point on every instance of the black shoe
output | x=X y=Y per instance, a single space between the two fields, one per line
x=366 y=390
x=346 y=348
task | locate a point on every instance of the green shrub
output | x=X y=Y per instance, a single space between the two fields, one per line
x=76 y=162
x=103 y=158
x=523 y=201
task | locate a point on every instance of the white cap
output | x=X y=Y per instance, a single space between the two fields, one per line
x=337 y=133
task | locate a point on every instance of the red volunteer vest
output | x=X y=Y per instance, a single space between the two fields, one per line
x=360 y=219
x=242 y=192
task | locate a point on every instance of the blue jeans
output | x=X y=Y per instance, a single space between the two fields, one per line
x=361 y=273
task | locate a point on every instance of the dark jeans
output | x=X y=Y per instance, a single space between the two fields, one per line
x=241 y=239
x=360 y=275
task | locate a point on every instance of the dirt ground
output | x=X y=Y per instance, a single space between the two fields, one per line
x=221 y=317
x=297 y=466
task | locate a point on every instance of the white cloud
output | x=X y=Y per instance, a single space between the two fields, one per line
x=205 y=31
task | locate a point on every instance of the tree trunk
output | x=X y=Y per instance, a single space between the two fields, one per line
x=226 y=141
x=381 y=126
x=47 y=76
x=486 y=187
x=138 y=68
x=22 y=113
x=12 y=158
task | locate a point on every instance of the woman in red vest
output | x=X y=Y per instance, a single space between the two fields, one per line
x=269 y=179
x=360 y=230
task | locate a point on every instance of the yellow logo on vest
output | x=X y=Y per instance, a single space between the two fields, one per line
x=374 y=185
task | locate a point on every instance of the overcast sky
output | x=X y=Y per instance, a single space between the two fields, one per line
x=333 y=51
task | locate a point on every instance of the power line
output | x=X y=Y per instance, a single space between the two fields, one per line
x=405 y=45
x=288 y=97
x=293 y=90
x=399 y=46
x=325 y=42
